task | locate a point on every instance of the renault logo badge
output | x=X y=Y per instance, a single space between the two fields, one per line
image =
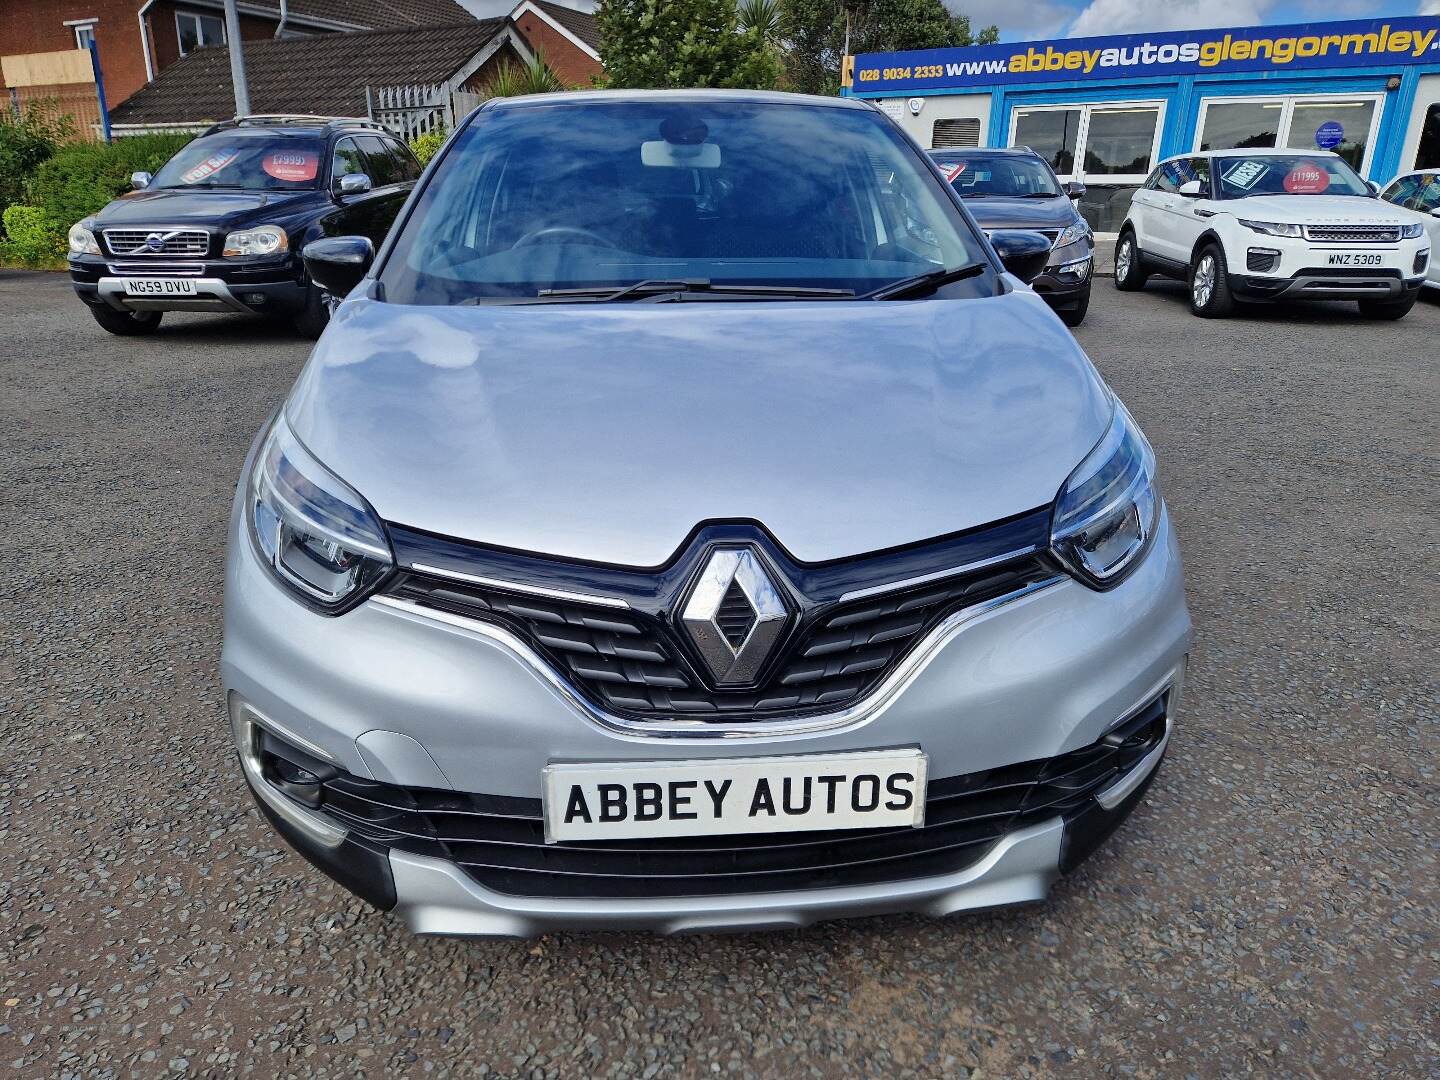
x=735 y=616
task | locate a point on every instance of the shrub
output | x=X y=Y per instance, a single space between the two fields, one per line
x=80 y=179
x=31 y=239
x=24 y=144
x=425 y=146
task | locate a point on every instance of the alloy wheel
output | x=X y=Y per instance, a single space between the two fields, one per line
x=1122 y=259
x=1204 y=286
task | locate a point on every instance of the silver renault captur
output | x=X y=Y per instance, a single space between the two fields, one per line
x=689 y=521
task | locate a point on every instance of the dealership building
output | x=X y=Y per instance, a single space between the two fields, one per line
x=1104 y=110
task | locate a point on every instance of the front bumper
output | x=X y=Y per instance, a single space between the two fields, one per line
x=1264 y=267
x=1320 y=283
x=414 y=702
x=251 y=286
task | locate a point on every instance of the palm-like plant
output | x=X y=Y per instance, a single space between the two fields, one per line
x=761 y=17
x=532 y=76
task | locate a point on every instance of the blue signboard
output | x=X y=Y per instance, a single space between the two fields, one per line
x=1364 y=43
x=1329 y=135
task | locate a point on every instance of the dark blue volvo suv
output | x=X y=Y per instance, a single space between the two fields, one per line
x=221 y=226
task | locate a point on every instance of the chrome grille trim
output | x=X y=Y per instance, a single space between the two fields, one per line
x=169 y=269
x=1353 y=234
x=132 y=242
x=858 y=712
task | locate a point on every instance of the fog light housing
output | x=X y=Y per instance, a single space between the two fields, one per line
x=1261 y=260
x=1422 y=260
x=255 y=298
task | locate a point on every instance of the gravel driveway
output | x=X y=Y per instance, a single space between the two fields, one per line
x=1271 y=909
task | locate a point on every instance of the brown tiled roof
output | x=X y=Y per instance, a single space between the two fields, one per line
x=325 y=74
x=580 y=23
x=373 y=14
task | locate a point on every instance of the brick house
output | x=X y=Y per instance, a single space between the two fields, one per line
x=138 y=39
x=569 y=40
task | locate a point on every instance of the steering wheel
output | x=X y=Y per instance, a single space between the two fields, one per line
x=559 y=234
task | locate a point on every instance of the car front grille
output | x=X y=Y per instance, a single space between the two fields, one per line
x=1354 y=234
x=635 y=663
x=134 y=242
x=500 y=841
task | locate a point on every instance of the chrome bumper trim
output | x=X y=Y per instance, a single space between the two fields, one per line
x=211 y=294
x=436 y=897
x=245 y=725
x=1121 y=790
x=867 y=708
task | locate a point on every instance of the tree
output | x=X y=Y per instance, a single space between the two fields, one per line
x=682 y=43
x=814 y=35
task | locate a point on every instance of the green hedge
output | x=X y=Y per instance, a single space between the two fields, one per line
x=24 y=144
x=29 y=238
x=426 y=145
x=79 y=179
x=69 y=183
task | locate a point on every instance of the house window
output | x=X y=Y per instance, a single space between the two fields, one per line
x=1345 y=125
x=84 y=33
x=197 y=31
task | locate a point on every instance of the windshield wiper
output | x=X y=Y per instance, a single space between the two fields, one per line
x=1039 y=195
x=658 y=286
x=925 y=284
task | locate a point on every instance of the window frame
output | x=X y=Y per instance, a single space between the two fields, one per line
x=335 y=156
x=1082 y=138
x=86 y=27
x=196 y=17
x=1287 y=104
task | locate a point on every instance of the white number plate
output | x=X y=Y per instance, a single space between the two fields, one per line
x=159 y=286
x=1355 y=258
x=861 y=790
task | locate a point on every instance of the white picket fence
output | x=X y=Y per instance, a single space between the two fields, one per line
x=410 y=110
x=415 y=110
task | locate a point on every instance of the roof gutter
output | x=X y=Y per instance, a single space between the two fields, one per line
x=145 y=40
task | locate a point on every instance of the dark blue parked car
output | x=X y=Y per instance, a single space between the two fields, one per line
x=221 y=226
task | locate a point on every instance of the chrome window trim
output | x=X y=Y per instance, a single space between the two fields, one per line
x=937 y=575
x=861 y=711
x=522 y=587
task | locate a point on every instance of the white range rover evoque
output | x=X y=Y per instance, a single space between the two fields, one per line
x=1265 y=225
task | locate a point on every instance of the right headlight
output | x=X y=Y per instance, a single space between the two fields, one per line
x=313 y=530
x=1106 y=512
x=1273 y=228
x=82 y=240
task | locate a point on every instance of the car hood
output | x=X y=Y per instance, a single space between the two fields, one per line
x=175 y=206
x=608 y=432
x=1001 y=213
x=1317 y=210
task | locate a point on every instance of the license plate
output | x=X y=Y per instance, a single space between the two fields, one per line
x=1355 y=258
x=866 y=789
x=159 y=286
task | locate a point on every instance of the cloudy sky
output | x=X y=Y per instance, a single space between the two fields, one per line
x=1019 y=21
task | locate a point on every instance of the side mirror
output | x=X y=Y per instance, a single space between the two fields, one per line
x=139 y=180
x=353 y=184
x=1022 y=252
x=1373 y=186
x=337 y=263
x=1435 y=212
x=1193 y=189
x=1075 y=189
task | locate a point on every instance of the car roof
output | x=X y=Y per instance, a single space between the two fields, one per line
x=600 y=97
x=1258 y=151
x=296 y=125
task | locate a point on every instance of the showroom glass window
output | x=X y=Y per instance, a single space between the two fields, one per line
x=1051 y=133
x=1342 y=125
x=1428 y=154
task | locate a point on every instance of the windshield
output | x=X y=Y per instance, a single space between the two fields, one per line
x=1287 y=174
x=603 y=195
x=1014 y=177
x=239 y=161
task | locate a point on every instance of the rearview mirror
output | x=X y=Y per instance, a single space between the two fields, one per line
x=1022 y=252
x=139 y=180
x=337 y=263
x=353 y=184
x=1075 y=189
x=1193 y=189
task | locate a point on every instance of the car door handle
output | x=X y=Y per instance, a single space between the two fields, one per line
x=1203 y=213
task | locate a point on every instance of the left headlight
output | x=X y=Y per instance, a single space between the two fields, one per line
x=313 y=530
x=82 y=240
x=1106 y=512
x=1072 y=234
x=1412 y=230
x=265 y=240
x=1272 y=228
